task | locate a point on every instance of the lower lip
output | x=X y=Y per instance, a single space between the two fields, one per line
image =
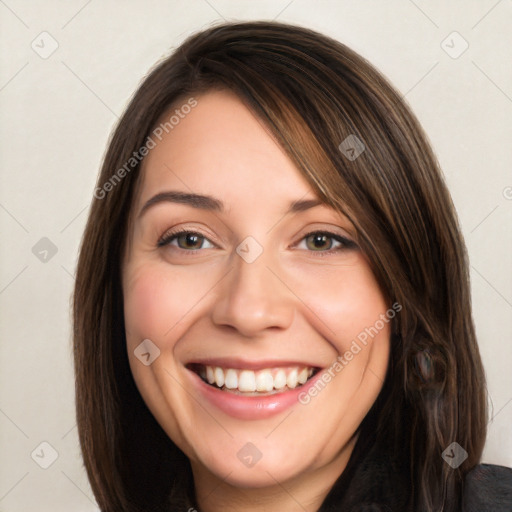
x=251 y=407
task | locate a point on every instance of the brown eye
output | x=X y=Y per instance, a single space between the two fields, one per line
x=324 y=242
x=318 y=241
x=189 y=241
x=185 y=240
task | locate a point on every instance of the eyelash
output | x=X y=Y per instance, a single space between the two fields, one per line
x=167 y=238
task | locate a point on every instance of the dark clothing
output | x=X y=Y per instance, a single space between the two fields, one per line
x=488 y=488
x=375 y=480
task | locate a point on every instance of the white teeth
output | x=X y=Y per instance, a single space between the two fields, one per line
x=219 y=376
x=291 y=380
x=280 y=379
x=231 y=380
x=247 y=381
x=303 y=376
x=262 y=381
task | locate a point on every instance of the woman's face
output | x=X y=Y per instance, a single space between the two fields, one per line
x=227 y=318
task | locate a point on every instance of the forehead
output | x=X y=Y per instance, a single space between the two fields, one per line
x=219 y=147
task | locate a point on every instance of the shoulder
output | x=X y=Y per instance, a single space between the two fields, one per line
x=488 y=487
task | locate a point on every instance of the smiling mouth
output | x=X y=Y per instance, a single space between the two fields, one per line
x=267 y=381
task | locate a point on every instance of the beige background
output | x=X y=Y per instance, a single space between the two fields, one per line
x=58 y=111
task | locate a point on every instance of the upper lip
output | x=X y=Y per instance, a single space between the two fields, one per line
x=244 y=364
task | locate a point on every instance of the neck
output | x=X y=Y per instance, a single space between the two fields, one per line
x=305 y=492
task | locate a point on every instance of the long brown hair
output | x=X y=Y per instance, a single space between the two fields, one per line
x=312 y=92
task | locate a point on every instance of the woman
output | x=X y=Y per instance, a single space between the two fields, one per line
x=272 y=304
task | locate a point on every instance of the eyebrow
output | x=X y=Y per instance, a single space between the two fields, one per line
x=205 y=202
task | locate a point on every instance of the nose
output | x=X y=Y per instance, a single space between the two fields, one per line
x=253 y=298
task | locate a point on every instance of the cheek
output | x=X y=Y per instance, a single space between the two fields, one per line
x=361 y=301
x=156 y=300
x=345 y=300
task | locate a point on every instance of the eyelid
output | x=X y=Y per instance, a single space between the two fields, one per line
x=330 y=231
x=345 y=241
x=172 y=234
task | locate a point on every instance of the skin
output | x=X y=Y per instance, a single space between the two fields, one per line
x=291 y=302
